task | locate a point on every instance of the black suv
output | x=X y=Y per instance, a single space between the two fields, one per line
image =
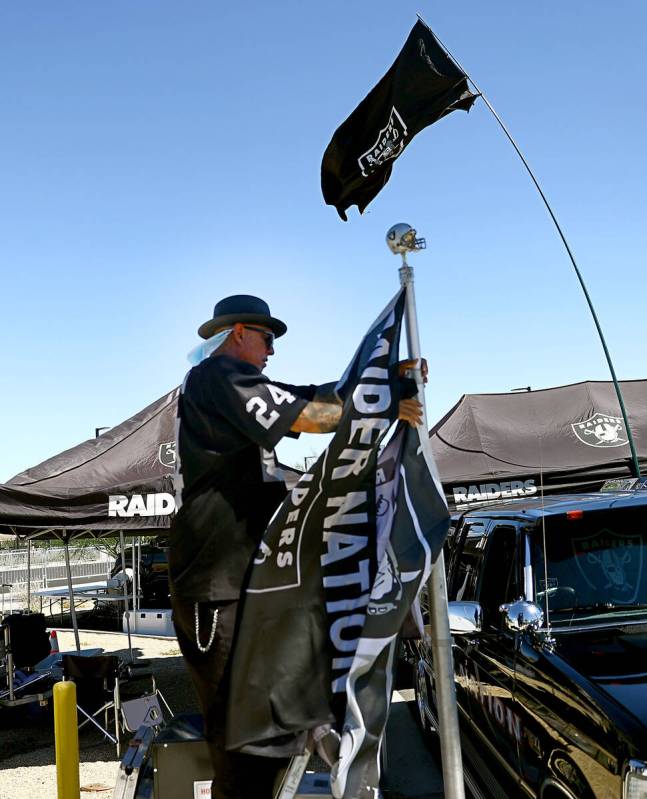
x=548 y=612
x=153 y=575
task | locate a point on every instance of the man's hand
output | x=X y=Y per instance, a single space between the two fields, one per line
x=410 y=410
x=405 y=366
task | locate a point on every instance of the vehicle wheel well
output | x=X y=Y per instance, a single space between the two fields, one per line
x=552 y=789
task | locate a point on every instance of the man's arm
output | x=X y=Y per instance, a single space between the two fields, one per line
x=322 y=413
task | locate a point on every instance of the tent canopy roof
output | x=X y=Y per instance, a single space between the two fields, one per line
x=565 y=435
x=565 y=438
x=71 y=491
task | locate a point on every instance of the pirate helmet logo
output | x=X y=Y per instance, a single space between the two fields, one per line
x=166 y=454
x=601 y=430
x=383 y=505
x=262 y=554
x=387 y=588
x=611 y=564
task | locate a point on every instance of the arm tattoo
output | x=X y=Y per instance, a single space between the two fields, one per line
x=318 y=417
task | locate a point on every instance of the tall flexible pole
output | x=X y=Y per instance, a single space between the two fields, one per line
x=621 y=402
x=441 y=640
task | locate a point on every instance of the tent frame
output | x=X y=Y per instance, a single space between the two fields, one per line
x=65 y=535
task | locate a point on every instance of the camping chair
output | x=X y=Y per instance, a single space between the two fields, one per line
x=24 y=644
x=99 y=681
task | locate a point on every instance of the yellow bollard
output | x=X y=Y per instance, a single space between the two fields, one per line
x=66 y=740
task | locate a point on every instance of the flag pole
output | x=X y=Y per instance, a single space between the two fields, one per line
x=630 y=438
x=441 y=640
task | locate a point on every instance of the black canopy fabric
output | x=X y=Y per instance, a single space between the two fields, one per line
x=122 y=480
x=488 y=447
x=569 y=438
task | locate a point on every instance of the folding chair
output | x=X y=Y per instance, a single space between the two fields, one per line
x=101 y=677
x=24 y=644
x=97 y=681
x=145 y=710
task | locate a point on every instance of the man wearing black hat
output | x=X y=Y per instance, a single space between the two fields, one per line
x=229 y=483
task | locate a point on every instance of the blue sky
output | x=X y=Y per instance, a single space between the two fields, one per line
x=157 y=156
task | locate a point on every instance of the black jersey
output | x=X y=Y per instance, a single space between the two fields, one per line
x=230 y=418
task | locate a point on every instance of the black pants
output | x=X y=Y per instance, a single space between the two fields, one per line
x=236 y=775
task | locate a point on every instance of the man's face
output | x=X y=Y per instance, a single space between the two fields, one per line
x=256 y=344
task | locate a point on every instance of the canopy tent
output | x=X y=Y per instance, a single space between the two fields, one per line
x=121 y=480
x=569 y=438
x=488 y=447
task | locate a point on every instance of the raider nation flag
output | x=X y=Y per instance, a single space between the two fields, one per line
x=340 y=564
x=412 y=524
x=310 y=582
x=422 y=86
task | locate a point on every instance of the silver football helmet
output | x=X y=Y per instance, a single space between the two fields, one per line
x=401 y=239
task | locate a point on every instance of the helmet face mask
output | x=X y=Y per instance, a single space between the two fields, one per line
x=401 y=239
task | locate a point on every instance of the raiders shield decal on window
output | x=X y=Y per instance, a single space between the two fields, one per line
x=611 y=564
x=601 y=430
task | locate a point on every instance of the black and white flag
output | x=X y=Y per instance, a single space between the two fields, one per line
x=309 y=588
x=422 y=86
x=412 y=524
x=340 y=564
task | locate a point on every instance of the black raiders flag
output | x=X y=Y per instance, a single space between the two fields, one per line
x=421 y=87
x=337 y=570
x=412 y=524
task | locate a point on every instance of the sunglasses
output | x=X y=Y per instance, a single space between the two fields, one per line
x=268 y=337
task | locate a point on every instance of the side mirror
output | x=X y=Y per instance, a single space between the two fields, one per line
x=521 y=616
x=465 y=617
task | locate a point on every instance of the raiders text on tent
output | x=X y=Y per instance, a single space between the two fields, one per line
x=141 y=505
x=486 y=491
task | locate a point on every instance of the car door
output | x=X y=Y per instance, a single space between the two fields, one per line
x=488 y=658
x=464 y=556
x=466 y=563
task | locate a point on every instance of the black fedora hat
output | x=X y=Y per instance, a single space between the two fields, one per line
x=241 y=308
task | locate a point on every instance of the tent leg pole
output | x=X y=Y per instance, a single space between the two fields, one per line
x=135 y=574
x=139 y=571
x=449 y=734
x=122 y=547
x=29 y=575
x=70 y=590
x=7 y=648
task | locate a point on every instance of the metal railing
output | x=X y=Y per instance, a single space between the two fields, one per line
x=47 y=569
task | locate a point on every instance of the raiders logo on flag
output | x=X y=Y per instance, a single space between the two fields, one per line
x=422 y=86
x=388 y=145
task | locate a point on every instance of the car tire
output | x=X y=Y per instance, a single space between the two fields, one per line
x=420 y=687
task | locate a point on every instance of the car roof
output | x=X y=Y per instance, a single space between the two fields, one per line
x=558 y=504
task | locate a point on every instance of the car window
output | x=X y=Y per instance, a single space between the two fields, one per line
x=469 y=555
x=499 y=581
x=596 y=562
